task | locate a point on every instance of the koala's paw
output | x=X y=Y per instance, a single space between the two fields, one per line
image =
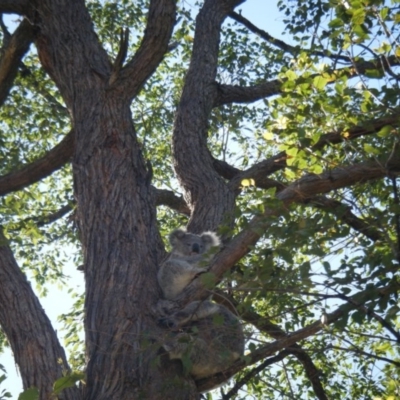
x=167 y=322
x=165 y=307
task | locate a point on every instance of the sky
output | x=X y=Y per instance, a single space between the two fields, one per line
x=261 y=13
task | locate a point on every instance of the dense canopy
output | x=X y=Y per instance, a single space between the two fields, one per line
x=123 y=120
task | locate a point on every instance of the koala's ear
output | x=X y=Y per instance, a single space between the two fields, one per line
x=210 y=239
x=176 y=236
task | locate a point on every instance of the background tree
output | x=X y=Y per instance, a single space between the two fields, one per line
x=289 y=150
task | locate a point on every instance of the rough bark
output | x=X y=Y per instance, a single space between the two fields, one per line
x=211 y=201
x=115 y=205
x=32 y=338
x=14 y=6
x=110 y=213
x=11 y=56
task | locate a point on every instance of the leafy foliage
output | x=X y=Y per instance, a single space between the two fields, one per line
x=341 y=74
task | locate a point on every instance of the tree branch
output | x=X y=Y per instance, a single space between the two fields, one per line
x=54 y=160
x=40 y=168
x=260 y=171
x=207 y=195
x=251 y=374
x=154 y=45
x=263 y=324
x=280 y=43
x=227 y=94
x=44 y=219
x=50 y=218
x=299 y=191
x=171 y=200
x=370 y=312
x=364 y=353
x=20 y=7
x=163 y=197
x=292 y=338
x=33 y=341
x=367 y=128
x=396 y=201
x=70 y=23
x=11 y=56
x=309 y=185
x=343 y=212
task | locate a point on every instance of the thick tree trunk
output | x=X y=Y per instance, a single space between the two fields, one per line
x=32 y=338
x=122 y=251
x=115 y=209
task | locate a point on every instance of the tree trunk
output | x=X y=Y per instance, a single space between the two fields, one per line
x=116 y=214
x=36 y=349
x=122 y=250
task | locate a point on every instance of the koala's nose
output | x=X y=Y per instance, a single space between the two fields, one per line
x=195 y=248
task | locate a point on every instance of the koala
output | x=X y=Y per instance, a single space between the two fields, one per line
x=188 y=258
x=206 y=336
x=209 y=340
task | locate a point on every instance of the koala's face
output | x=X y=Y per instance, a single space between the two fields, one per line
x=188 y=244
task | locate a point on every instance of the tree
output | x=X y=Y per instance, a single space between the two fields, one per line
x=289 y=151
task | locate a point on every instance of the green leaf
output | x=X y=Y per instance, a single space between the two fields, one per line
x=358 y=317
x=319 y=82
x=208 y=279
x=291 y=75
x=305 y=270
x=67 y=381
x=292 y=151
x=29 y=394
x=369 y=149
x=358 y=16
x=341 y=323
x=385 y=131
x=336 y=23
x=268 y=135
x=248 y=182
x=384 y=12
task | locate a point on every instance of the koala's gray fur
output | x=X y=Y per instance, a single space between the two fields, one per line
x=188 y=258
x=210 y=336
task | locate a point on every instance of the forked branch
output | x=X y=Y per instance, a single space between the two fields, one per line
x=228 y=94
x=154 y=45
x=263 y=324
x=299 y=191
x=301 y=334
x=12 y=53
